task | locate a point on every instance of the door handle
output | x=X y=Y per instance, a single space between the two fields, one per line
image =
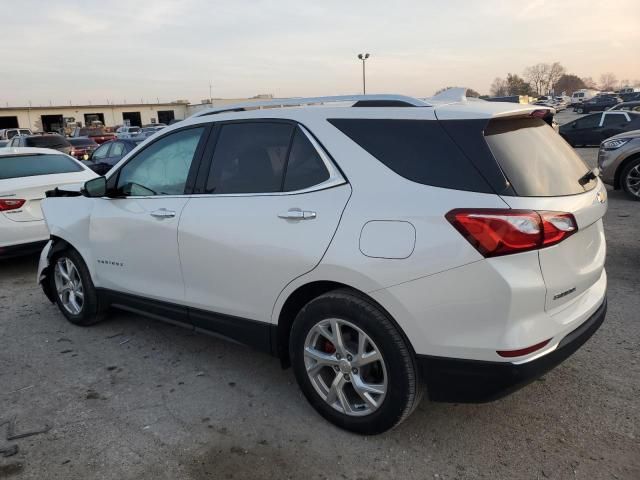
x=297 y=214
x=163 y=213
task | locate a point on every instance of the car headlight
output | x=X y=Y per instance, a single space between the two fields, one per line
x=613 y=144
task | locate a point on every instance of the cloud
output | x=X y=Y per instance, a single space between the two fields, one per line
x=74 y=49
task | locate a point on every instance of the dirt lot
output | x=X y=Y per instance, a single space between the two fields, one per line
x=133 y=398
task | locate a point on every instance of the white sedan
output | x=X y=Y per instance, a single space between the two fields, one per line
x=25 y=175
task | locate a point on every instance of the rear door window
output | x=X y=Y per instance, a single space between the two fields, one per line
x=249 y=158
x=590 y=121
x=535 y=159
x=305 y=168
x=418 y=150
x=614 y=119
x=16 y=166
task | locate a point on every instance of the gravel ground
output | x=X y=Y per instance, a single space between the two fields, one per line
x=133 y=398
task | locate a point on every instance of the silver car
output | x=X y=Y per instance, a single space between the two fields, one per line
x=619 y=162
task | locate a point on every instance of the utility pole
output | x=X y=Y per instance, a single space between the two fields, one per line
x=210 y=96
x=363 y=57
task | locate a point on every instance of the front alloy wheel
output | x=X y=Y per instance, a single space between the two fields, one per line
x=75 y=294
x=69 y=286
x=345 y=367
x=631 y=179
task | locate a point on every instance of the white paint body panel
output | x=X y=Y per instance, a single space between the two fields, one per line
x=238 y=255
x=140 y=251
x=387 y=239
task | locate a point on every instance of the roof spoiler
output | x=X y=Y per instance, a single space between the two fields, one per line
x=450 y=95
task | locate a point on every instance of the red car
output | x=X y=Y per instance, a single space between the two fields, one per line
x=82 y=147
x=97 y=134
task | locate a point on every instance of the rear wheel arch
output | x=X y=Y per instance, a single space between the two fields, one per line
x=303 y=295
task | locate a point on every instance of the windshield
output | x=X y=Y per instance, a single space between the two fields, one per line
x=82 y=142
x=15 y=166
x=535 y=159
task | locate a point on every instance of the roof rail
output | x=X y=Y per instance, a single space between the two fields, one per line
x=384 y=100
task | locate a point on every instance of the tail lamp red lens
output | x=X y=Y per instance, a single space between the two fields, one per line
x=10 y=204
x=496 y=232
x=541 y=113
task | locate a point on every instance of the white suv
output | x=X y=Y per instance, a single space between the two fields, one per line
x=370 y=242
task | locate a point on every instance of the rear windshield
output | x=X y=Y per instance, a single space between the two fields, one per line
x=418 y=150
x=16 y=166
x=47 y=141
x=535 y=159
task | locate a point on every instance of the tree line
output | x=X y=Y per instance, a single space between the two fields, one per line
x=544 y=78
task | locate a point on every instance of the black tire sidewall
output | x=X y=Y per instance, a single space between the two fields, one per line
x=89 y=313
x=376 y=325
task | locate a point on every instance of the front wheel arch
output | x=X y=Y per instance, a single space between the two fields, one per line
x=58 y=245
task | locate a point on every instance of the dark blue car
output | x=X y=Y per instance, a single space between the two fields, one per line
x=108 y=154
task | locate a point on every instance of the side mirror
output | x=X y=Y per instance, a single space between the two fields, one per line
x=95 y=188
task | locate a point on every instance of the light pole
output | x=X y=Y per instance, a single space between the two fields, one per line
x=363 y=57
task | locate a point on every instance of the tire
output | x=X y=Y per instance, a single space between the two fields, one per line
x=580 y=110
x=89 y=310
x=396 y=372
x=629 y=172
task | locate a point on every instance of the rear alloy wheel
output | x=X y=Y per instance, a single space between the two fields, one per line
x=630 y=179
x=353 y=384
x=76 y=296
x=353 y=364
x=580 y=110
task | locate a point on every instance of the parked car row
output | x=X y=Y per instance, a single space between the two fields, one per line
x=598 y=103
x=558 y=103
x=53 y=141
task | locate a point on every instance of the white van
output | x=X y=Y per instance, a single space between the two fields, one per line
x=582 y=95
x=9 y=133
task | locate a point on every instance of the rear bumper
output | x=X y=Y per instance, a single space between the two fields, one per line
x=473 y=381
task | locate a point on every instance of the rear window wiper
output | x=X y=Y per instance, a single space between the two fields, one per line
x=590 y=175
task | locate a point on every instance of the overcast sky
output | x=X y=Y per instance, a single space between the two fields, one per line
x=82 y=51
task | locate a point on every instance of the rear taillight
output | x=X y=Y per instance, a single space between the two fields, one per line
x=496 y=232
x=10 y=204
